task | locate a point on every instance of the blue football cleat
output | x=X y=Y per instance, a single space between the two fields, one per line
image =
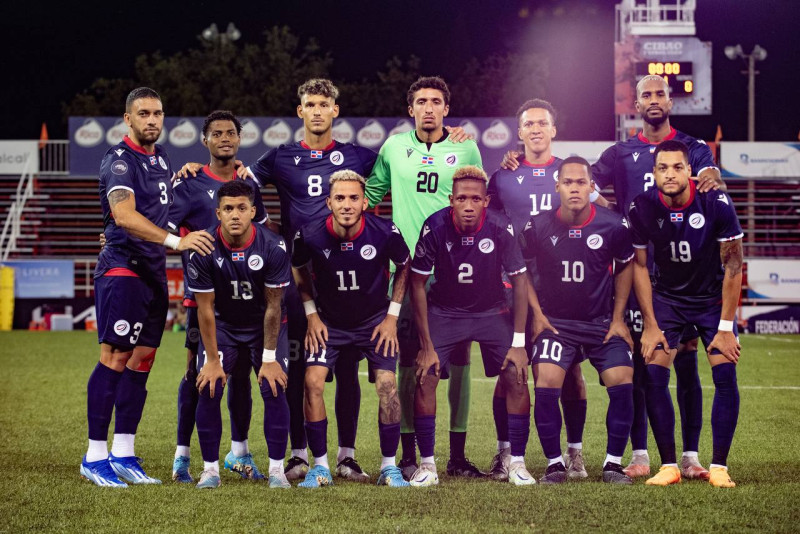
x=277 y=478
x=129 y=469
x=180 y=470
x=392 y=476
x=244 y=465
x=209 y=480
x=100 y=473
x=316 y=477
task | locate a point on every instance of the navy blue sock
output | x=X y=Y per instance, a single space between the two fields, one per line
x=519 y=429
x=276 y=422
x=724 y=411
x=661 y=412
x=639 y=426
x=317 y=435
x=209 y=422
x=458 y=441
x=129 y=404
x=101 y=390
x=425 y=426
x=547 y=415
x=574 y=418
x=500 y=417
x=187 y=406
x=348 y=401
x=389 y=438
x=240 y=401
x=294 y=397
x=409 y=440
x=690 y=399
x=619 y=418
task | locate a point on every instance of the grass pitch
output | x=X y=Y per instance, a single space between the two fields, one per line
x=43 y=422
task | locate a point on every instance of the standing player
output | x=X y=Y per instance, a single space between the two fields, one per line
x=580 y=312
x=131 y=288
x=697 y=251
x=239 y=289
x=469 y=248
x=350 y=252
x=194 y=208
x=418 y=167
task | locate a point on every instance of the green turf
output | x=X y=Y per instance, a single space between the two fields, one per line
x=43 y=422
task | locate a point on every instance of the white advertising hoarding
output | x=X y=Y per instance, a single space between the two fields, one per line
x=777 y=279
x=755 y=160
x=15 y=155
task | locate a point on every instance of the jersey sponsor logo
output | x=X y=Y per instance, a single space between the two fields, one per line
x=449 y=245
x=486 y=245
x=282 y=245
x=153 y=160
x=425 y=230
x=451 y=160
x=723 y=198
x=162 y=162
x=538 y=172
x=519 y=179
x=427 y=160
x=327 y=253
x=219 y=262
x=210 y=193
x=554 y=239
x=635 y=156
x=676 y=217
x=368 y=252
x=296 y=160
x=594 y=241
x=467 y=240
x=420 y=250
x=346 y=246
x=575 y=233
x=119 y=167
x=122 y=327
x=336 y=157
x=237 y=256
x=192 y=270
x=409 y=151
x=255 y=262
x=660 y=222
x=696 y=220
x=119 y=151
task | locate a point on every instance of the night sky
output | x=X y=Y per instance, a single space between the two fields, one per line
x=54 y=53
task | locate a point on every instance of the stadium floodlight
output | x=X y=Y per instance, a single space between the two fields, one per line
x=758 y=54
x=213 y=34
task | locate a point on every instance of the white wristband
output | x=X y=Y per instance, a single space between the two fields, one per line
x=518 y=341
x=394 y=308
x=310 y=307
x=268 y=356
x=725 y=326
x=172 y=241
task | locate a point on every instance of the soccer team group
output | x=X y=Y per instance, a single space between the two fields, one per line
x=532 y=264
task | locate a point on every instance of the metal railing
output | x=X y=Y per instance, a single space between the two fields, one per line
x=11 y=227
x=54 y=158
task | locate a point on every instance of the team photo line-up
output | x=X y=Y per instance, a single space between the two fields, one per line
x=532 y=264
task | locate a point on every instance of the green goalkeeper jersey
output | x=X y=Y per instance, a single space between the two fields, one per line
x=420 y=177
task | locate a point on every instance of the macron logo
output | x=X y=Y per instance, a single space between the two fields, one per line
x=723 y=198
x=519 y=179
x=296 y=160
x=635 y=156
x=219 y=262
x=554 y=239
x=327 y=253
x=210 y=193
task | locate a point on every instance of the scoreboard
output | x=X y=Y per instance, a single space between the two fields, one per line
x=677 y=74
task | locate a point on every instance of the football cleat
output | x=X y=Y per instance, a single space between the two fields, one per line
x=209 y=480
x=408 y=468
x=519 y=476
x=129 y=469
x=498 y=470
x=613 y=474
x=692 y=470
x=462 y=467
x=719 y=478
x=244 y=465
x=424 y=476
x=392 y=476
x=296 y=468
x=574 y=462
x=101 y=474
x=277 y=478
x=316 y=477
x=349 y=469
x=639 y=466
x=668 y=474
x=555 y=474
x=180 y=470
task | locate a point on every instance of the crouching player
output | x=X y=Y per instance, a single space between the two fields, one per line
x=349 y=253
x=238 y=290
x=469 y=247
x=579 y=311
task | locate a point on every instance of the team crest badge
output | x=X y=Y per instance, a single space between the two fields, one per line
x=336 y=157
x=255 y=262
x=192 y=270
x=696 y=220
x=486 y=245
x=594 y=241
x=368 y=252
x=451 y=160
x=119 y=167
x=162 y=163
x=122 y=327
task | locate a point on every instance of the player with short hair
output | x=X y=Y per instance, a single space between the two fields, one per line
x=579 y=311
x=470 y=248
x=131 y=297
x=697 y=253
x=239 y=288
x=417 y=167
x=349 y=253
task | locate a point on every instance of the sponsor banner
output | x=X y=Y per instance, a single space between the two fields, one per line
x=43 y=279
x=770 y=319
x=18 y=156
x=91 y=137
x=776 y=279
x=175 y=284
x=756 y=160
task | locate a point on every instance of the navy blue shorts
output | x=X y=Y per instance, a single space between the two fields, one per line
x=353 y=342
x=130 y=311
x=192 y=330
x=675 y=317
x=579 y=340
x=633 y=317
x=230 y=354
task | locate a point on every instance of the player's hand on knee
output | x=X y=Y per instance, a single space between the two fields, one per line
x=209 y=374
x=425 y=360
x=457 y=134
x=189 y=169
x=517 y=357
x=651 y=339
x=619 y=328
x=201 y=242
x=727 y=344
x=386 y=332
x=316 y=334
x=274 y=375
x=510 y=160
x=540 y=324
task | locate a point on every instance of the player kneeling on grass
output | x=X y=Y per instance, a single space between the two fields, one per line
x=469 y=247
x=238 y=290
x=580 y=310
x=349 y=253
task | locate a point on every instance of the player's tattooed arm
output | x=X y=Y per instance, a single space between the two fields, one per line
x=119 y=195
x=710 y=179
x=732 y=257
x=272 y=372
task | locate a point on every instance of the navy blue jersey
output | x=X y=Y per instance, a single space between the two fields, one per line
x=301 y=176
x=351 y=277
x=575 y=262
x=686 y=241
x=194 y=207
x=237 y=277
x=148 y=177
x=527 y=191
x=628 y=165
x=468 y=267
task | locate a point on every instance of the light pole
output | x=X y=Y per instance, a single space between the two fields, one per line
x=758 y=54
